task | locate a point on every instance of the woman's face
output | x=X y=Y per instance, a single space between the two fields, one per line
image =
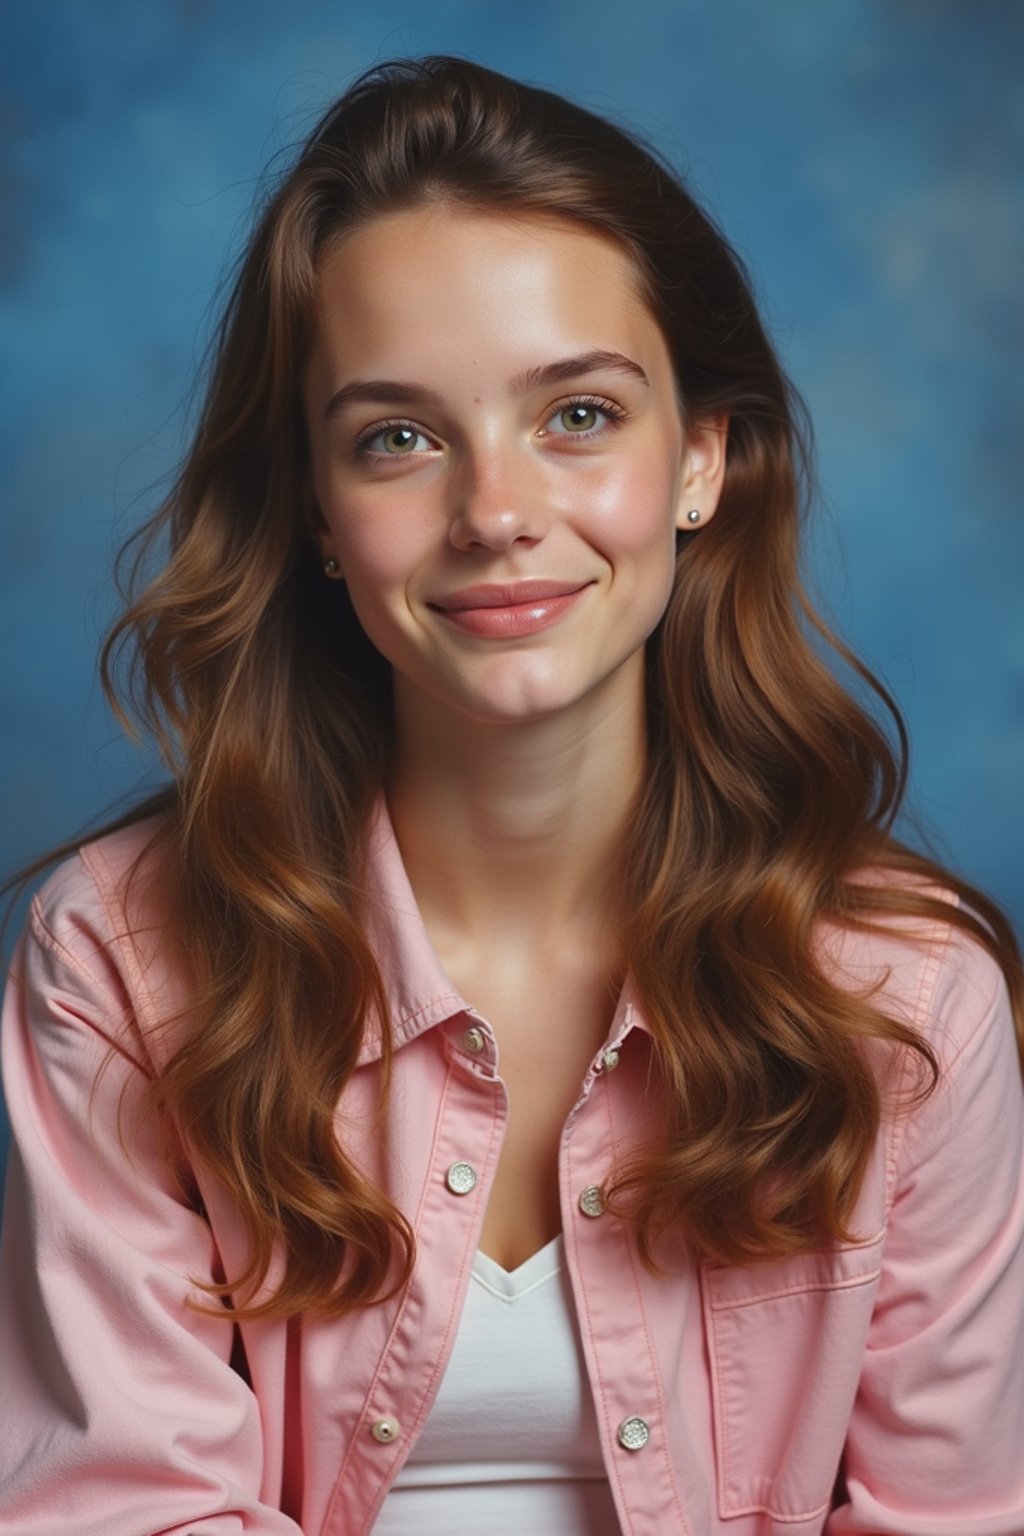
x=498 y=461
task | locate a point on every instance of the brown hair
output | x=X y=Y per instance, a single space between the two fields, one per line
x=769 y=790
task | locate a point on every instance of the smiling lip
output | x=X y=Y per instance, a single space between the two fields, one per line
x=506 y=612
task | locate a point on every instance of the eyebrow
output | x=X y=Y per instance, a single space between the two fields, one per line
x=387 y=391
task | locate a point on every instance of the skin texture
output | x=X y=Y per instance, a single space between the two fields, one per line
x=518 y=759
x=495 y=488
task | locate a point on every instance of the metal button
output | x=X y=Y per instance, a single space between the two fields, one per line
x=610 y=1059
x=634 y=1434
x=386 y=1430
x=591 y=1203
x=473 y=1040
x=461 y=1178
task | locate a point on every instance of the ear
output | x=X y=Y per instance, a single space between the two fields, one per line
x=319 y=532
x=703 y=473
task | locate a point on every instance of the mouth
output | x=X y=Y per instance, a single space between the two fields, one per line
x=494 y=612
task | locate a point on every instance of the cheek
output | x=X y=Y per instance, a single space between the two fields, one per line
x=632 y=510
x=377 y=552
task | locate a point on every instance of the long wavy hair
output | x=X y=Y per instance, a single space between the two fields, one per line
x=770 y=791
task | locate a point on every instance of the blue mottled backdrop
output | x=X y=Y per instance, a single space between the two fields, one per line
x=866 y=157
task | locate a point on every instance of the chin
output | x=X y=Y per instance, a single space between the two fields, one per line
x=522 y=712
x=511 y=705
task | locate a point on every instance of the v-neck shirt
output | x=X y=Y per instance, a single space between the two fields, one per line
x=511 y=1443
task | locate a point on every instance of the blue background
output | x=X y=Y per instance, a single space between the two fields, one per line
x=867 y=159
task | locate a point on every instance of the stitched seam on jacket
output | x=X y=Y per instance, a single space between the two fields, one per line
x=850 y=1283
x=943 y=936
x=651 y=1358
x=48 y=940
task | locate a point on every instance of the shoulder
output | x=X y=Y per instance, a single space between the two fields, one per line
x=948 y=1148
x=97 y=933
x=88 y=896
x=923 y=969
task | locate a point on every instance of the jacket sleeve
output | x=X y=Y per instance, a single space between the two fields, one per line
x=936 y=1441
x=120 y=1414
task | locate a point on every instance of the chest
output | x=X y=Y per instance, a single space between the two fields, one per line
x=755 y=1366
x=549 y=1025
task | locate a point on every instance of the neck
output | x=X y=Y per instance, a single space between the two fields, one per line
x=516 y=829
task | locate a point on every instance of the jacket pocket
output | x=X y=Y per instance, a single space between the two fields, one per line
x=785 y=1344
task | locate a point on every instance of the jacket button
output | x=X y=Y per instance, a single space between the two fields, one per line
x=473 y=1040
x=386 y=1430
x=591 y=1203
x=634 y=1434
x=461 y=1178
x=610 y=1059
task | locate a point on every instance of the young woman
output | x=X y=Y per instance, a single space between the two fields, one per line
x=513 y=1080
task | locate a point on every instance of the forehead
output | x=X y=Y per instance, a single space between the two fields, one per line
x=437 y=275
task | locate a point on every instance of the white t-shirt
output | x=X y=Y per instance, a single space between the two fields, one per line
x=511 y=1443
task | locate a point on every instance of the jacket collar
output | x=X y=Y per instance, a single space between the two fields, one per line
x=419 y=992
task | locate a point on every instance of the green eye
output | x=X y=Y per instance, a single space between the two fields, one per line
x=391 y=440
x=579 y=418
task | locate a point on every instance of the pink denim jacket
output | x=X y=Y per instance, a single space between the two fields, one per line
x=875 y=1388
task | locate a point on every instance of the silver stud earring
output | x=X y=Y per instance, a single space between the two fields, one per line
x=693 y=516
x=331 y=566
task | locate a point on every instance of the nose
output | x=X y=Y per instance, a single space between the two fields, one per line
x=495 y=503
